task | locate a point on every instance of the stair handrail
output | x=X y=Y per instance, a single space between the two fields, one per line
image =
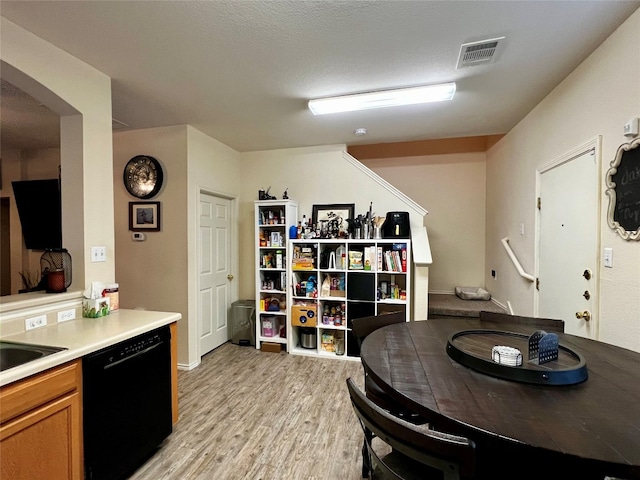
x=516 y=262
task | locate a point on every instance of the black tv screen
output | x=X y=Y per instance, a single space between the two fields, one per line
x=40 y=211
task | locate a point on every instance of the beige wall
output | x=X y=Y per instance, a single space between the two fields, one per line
x=452 y=188
x=82 y=96
x=216 y=169
x=316 y=175
x=152 y=275
x=597 y=99
x=149 y=272
x=160 y=273
x=320 y=175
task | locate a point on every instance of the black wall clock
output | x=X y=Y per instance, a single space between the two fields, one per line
x=143 y=176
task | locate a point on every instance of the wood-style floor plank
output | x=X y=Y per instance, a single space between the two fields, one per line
x=247 y=414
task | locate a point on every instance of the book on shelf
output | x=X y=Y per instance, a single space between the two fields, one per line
x=396 y=261
x=401 y=250
x=389 y=262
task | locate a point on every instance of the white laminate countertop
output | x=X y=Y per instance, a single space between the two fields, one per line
x=83 y=336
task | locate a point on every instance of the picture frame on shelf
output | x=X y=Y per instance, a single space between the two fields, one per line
x=343 y=212
x=144 y=216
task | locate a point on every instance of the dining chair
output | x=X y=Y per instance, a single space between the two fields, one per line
x=546 y=324
x=361 y=328
x=410 y=451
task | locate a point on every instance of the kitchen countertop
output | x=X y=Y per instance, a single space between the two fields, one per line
x=83 y=336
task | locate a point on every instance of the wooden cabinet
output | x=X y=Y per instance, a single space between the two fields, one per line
x=272 y=219
x=335 y=281
x=41 y=426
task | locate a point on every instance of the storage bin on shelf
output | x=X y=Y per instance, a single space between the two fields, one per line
x=270 y=326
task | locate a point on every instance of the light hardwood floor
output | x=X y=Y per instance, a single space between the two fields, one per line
x=247 y=414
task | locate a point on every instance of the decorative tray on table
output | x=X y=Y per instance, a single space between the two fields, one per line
x=544 y=361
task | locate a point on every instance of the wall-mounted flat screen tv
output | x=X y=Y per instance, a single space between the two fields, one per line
x=40 y=211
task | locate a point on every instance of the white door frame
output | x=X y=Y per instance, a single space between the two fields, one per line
x=233 y=254
x=595 y=145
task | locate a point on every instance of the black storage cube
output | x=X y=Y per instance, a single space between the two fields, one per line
x=359 y=310
x=361 y=286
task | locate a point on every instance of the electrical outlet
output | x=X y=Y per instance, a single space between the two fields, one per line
x=98 y=254
x=494 y=274
x=66 y=315
x=35 y=322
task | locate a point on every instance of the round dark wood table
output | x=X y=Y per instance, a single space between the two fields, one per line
x=589 y=429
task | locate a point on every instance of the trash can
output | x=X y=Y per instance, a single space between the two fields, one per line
x=243 y=322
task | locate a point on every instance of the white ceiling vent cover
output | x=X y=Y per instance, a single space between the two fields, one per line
x=480 y=53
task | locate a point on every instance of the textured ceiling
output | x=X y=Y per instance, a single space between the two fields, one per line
x=24 y=122
x=242 y=71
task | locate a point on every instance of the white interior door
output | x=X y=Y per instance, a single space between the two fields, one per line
x=568 y=217
x=214 y=271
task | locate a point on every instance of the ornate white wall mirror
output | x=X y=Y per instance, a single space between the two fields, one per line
x=623 y=190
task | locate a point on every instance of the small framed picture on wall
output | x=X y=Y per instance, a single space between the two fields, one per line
x=144 y=216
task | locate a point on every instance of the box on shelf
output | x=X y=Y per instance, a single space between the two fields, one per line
x=327 y=343
x=302 y=263
x=304 y=316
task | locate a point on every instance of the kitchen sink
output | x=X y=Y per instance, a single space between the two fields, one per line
x=13 y=354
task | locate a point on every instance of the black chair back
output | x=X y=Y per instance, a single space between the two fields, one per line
x=422 y=449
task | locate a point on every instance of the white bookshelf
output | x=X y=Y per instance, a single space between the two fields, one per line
x=354 y=292
x=272 y=221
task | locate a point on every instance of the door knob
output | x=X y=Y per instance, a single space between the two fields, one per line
x=587 y=274
x=586 y=315
x=586 y=294
x=229 y=277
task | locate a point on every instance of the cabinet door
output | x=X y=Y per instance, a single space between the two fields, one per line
x=44 y=443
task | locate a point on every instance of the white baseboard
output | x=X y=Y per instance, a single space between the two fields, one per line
x=186 y=367
x=504 y=307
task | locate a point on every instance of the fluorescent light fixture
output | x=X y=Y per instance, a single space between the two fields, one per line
x=383 y=98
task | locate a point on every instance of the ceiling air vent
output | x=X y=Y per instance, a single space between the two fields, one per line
x=480 y=53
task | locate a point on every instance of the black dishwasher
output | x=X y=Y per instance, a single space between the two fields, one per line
x=127 y=404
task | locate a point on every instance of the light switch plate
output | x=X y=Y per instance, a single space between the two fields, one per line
x=98 y=254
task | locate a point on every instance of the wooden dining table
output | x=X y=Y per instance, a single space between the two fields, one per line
x=588 y=429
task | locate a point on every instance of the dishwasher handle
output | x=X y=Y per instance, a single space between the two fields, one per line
x=130 y=357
